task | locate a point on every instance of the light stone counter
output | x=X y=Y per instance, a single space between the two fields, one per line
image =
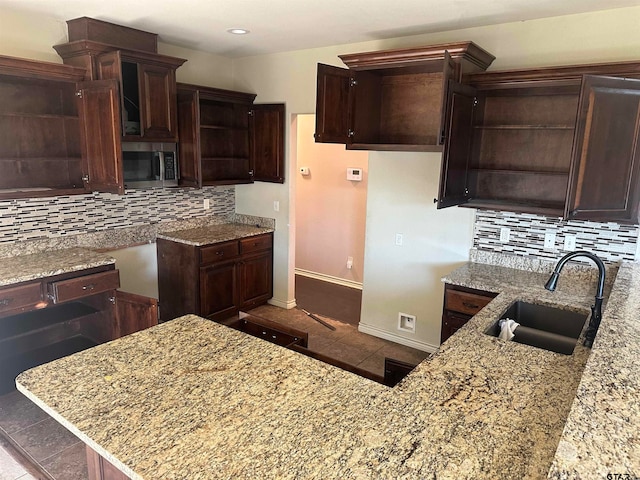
x=191 y=399
x=213 y=233
x=23 y=268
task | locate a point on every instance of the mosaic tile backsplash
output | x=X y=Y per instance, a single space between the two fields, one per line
x=610 y=241
x=55 y=217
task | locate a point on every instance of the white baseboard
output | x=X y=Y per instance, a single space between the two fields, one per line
x=378 y=332
x=329 y=278
x=288 y=304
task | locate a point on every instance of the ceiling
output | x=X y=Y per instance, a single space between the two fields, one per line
x=284 y=25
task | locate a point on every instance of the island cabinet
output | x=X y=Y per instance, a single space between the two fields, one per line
x=561 y=141
x=41 y=147
x=392 y=99
x=214 y=280
x=130 y=92
x=460 y=304
x=227 y=139
x=47 y=318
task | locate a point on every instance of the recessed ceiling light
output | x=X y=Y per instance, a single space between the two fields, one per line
x=238 y=31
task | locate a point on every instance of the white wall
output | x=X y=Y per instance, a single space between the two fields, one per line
x=290 y=77
x=138 y=269
x=406 y=278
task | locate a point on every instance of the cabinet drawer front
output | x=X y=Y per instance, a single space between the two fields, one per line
x=465 y=302
x=74 y=288
x=220 y=251
x=12 y=298
x=255 y=244
x=269 y=334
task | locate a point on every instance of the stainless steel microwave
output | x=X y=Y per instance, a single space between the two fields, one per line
x=148 y=165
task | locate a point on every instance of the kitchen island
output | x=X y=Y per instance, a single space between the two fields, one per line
x=194 y=399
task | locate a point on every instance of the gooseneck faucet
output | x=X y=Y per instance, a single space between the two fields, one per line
x=596 y=308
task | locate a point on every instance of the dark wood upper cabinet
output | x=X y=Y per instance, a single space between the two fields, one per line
x=100 y=116
x=145 y=94
x=148 y=98
x=227 y=139
x=605 y=173
x=392 y=99
x=332 y=105
x=147 y=86
x=266 y=142
x=41 y=148
x=457 y=152
x=559 y=141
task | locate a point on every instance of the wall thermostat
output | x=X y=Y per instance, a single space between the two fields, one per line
x=354 y=174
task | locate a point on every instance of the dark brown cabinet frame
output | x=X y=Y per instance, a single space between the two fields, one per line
x=214 y=281
x=41 y=147
x=558 y=141
x=394 y=99
x=103 y=94
x=227 y=139
x=460 y=305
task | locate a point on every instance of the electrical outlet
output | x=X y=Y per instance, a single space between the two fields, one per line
x=349 y=263
x=206 y=204
x=505 y=233
x=550 y=240
x=276 y=206
x=399 y=239
x=406 y=322
x=570 y=243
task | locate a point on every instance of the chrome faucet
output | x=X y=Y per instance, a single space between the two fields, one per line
x=596 y=308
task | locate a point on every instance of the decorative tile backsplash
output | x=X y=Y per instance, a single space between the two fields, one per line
x=610 y=241
x=54 y=217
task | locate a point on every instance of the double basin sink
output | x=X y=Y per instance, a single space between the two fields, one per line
x=550 y=328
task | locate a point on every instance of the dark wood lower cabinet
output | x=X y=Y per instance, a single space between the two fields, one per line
x=218 y=292
x=100 y=469
x=460 y=304
x=48 y=318
x=134 y=313
x=216 y=280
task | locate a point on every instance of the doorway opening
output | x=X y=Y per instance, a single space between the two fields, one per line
x=330 y=220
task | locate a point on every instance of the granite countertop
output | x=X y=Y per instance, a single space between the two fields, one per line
x=213 y=233
x=194 y=399
x=23 y=268
x=600 y=436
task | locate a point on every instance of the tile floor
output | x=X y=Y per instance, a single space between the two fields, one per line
x=345 y=343
x=42 y=440
x=62 y=457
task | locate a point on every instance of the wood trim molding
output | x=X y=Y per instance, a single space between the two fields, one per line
x=556 y=76
x=329 y=278
x=386 y=335
x=468 y=51
x=22 y=67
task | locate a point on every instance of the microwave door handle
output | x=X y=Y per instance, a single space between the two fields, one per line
x=161 y=160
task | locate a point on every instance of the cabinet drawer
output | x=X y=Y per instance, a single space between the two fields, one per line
x=465 y=302
x=219 y=251
x=74 y=288
x=255 y=244
x=272 y=335
x=13 y=298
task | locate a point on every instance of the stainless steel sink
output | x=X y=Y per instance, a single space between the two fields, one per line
x=553 y=329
